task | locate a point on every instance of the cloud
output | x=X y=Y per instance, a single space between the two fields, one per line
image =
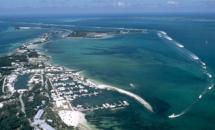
x=208 y=3
x=120 y=4
x=100 y=6
x=172 y=3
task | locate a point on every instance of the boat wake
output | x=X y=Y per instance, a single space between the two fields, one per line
x=194 y=58
x=163 y=35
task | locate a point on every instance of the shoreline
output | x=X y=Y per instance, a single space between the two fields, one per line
x=39 y=48
x=98 y=84
x=102 y=85
x=161 y=34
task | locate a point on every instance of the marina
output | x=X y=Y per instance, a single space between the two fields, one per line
x=108 y=77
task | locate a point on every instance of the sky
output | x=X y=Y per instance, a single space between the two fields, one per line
x=103 y=6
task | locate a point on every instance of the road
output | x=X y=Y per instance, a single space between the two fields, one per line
x=22 y=103
x=3 y=85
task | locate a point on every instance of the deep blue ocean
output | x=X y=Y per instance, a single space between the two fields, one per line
x=168 y=76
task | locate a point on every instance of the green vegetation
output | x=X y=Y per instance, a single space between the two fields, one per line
x=77 y=34
x=1 y=83
x=5 y=61
x=11 y=118
x=20 y=58
x=37 y=96
x=33 y=54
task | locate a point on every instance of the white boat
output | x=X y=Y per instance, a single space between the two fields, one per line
x=200 y=96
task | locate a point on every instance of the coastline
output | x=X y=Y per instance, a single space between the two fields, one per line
x=79 y=116
x=101 y=85
x=98 y=84
x=162 y=35
x=92 y=82
x=39 y=47
x=106 y=86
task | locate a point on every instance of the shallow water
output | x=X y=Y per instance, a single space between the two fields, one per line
x=167 y=76
x=161 y=74
x=10 y=38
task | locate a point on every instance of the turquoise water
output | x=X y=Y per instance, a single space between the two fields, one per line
x=10 y=38
x=159 y=72
x=162 y=73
